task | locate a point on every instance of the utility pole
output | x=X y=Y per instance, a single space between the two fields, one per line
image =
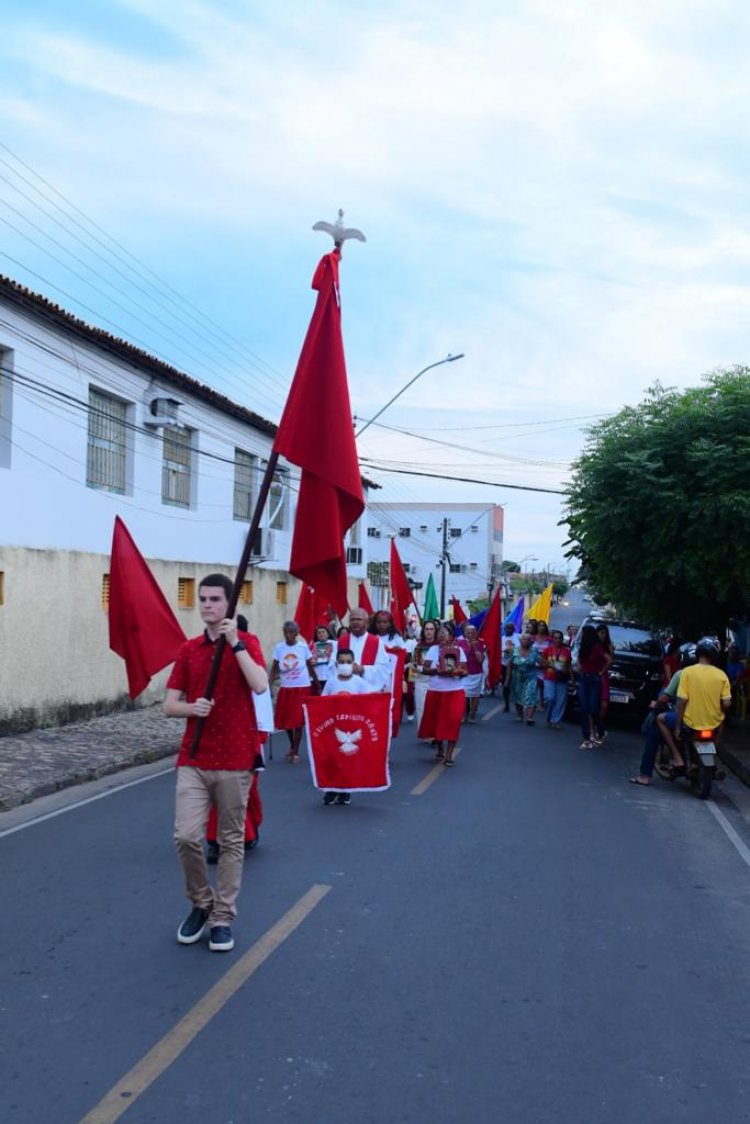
x=443 y=564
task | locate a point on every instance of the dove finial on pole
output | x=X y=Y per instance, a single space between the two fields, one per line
x=339 y=232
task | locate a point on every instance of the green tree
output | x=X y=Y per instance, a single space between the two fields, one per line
x=560 y=587
x=511 y=567
x=658 y=509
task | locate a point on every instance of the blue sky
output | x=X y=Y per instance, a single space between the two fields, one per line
x=559 y=191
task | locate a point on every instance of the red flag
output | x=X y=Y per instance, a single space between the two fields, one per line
x=490 y=633
x=330 y=497
x=459 y=616
x=143 y=630
x=363 y=599
x=401 y=593
x=311 y=611
x=397 y=691
x=349 y=737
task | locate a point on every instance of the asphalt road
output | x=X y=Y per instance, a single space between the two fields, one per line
x=531 y=939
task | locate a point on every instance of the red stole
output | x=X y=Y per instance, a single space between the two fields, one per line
x=370 y=650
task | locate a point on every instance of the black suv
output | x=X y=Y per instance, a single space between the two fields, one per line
x=636 y=672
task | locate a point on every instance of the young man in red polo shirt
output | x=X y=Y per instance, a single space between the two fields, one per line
x=220 y=772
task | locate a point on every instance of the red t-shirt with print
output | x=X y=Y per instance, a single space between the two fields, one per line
x=230 y=733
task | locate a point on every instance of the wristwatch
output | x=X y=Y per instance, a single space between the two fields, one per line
x=239 y=647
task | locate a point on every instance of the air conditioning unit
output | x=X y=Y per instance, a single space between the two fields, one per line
x=264 y=544
x=161 y=412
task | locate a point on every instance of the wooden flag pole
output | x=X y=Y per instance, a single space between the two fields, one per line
x=213 y=675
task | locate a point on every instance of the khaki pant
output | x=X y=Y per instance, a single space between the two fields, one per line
x=197 y=790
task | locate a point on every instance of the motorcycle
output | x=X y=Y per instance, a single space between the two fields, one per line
x=699 y=753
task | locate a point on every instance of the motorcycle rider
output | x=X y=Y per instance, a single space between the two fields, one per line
x=660 y=729
x=704 y=694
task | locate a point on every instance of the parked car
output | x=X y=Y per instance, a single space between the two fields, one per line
x=636 y=672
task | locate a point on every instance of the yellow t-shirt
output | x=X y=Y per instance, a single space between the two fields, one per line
x=704 y=686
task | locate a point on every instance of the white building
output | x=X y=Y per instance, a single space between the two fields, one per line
x=471 y=534
x=92 y=427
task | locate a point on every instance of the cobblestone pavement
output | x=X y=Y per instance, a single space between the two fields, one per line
x=42 y=761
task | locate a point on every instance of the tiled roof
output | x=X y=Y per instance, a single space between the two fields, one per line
x=43 y=308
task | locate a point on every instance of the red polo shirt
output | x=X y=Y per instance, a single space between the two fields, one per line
x=230 y=733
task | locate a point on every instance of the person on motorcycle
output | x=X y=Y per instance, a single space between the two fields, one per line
x=659 y=730
x=704 y=694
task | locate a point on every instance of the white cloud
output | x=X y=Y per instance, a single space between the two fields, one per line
x=555 y=189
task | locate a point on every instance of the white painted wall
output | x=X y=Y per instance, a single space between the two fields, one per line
x=421 y=550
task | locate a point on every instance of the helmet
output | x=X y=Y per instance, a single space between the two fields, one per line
x=708 y=646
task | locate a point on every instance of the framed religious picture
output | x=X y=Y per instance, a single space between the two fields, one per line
x=450 y=659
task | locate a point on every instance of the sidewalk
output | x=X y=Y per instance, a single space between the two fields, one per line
x=43 y=761
x=734 y=750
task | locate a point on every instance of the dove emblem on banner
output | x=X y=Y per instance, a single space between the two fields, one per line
x=348 y=741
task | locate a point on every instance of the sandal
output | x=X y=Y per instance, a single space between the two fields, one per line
x=292 y=758
x=449 y=761
x=643 y=784
x=586 y=745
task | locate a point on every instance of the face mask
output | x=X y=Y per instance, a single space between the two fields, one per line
x=345 y=670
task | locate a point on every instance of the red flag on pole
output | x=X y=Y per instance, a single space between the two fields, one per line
x=311 y=611
x=397 y=690
x=363 y=599
x=459 y=616
x=348 y=738
x=330 y=498
x=490 y=633
x=143 y=630
x=401 y=593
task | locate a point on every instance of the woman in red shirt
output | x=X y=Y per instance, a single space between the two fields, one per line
x=593 y=661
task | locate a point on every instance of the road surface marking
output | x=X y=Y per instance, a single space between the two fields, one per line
x=80 y=803
x=486 y=717
x=432 y=776
x=119 y=1099
x=742 y=850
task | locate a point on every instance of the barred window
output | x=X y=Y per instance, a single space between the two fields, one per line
x=281 y=593
x=177 y=466
x=106 y=460
x=186 y=593
x=246 y=593
x=6 y=405
x=105 y=591
x=245 y=473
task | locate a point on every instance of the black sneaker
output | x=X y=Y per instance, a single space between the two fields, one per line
x=344 y=798
x=192 y=928
x=259 y=764
x=220 y=939
x=251 y=844
x=212 y=852
x=329 y=798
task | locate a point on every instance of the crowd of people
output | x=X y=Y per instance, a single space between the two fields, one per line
x=436 y=677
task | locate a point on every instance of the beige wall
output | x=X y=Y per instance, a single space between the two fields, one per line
x=55 y=661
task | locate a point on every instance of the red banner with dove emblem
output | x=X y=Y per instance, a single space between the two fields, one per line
x=348 y=738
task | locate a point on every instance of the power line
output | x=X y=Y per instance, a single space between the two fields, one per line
x=465 y=479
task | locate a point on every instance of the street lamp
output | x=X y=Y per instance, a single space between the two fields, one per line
x=448 y=359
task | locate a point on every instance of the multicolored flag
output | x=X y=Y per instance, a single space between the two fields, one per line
x=490 y=633
x=542 y=607
x=348 y=738
x=516 y=615
x=459 y=616
x=330 y=497
x=401 y=592
x=431 y=609
x=363 y=599
x=311 y=611
x=143 y=630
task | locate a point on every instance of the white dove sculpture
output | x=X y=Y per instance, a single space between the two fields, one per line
x=348 y=742
x=338 y=231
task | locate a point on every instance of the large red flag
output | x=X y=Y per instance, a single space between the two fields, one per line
x=401 y=593
x=459 y=616
x=363 y=599
x=490 y=633
x=143 y=630
x=330 y=497
x=348 y=737
x=311 y=611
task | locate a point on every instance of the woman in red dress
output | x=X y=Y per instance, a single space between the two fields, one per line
x=445 y=666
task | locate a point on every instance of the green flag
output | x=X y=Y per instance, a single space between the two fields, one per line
x=431 y=610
